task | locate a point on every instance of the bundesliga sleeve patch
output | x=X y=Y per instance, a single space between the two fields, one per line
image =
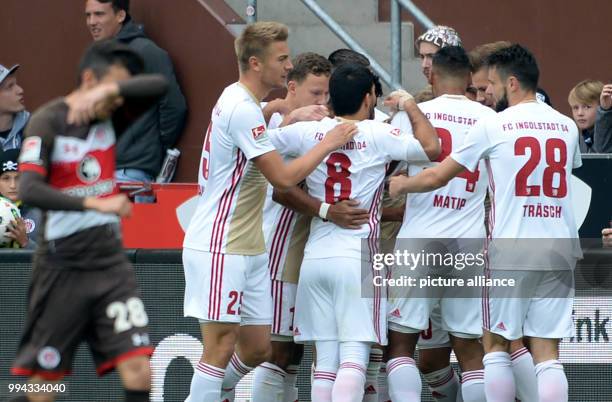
x=30 y=150
x=258 y=131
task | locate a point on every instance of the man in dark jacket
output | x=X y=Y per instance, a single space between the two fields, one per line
x=141 y=149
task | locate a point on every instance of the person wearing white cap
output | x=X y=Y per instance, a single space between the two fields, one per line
x=433 y=40
x=13 y=116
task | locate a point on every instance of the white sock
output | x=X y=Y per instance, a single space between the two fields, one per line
x=499 y=380
x=472 y=386
x=268 y=381
x=206 y=384
x=371 y=390
x=524 y=375
x=349 y=384
x=328 y=357
x=404 y=380
x=234 y=372
x=290 y=391
x=552 y=382
x=383 y=389
x=443 y=384
x=322 y=384
x=350 y=380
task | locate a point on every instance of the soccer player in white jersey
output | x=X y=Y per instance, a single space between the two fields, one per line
x=224 y=255
x=529 y=151
x=454 y=211
x=286 y=232
x=330 y=309
x=522 y=361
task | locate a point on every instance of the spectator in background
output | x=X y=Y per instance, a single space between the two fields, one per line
x=13 y=116
x=480 y=71
x=591 y=105
x=433 y=40
x=141 y=149
x=23 y=230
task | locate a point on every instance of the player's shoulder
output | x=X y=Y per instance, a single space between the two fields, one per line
x=376 y=128
x=49 y=118
x=236 y=101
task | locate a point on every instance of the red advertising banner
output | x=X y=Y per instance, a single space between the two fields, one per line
x=161 y=224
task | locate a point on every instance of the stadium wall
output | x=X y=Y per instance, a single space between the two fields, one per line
x=48 y=37
x=567 y=37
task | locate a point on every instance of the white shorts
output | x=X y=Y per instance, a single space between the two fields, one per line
x=283 y=301
x=431 y=338
x=434 y=336
x=539 y=309
x=329 y=305
x=462 y=317
x=227 y=287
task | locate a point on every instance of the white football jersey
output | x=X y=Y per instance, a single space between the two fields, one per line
x=529 y=151
x=285 y=231
x=457 y=209
x=354 y=171
x=228 y=218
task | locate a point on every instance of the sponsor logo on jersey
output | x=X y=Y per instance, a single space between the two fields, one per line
x=89 y=169
x=396 y=313
x=258 y=131
x=49 y=357
x=30 y=150
x=501 y=326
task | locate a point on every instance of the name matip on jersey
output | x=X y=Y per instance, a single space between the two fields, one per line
x=228 y=218
x=529 y=151
x=457 y=209
x=354 y=171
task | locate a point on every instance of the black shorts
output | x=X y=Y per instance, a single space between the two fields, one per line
x=102 y=307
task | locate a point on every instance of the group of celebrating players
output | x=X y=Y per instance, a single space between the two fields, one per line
x=293 y=191
x=291 y=194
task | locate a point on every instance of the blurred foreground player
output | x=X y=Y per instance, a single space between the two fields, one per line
x=83 y=287
x=529 y=150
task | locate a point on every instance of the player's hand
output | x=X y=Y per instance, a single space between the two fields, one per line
x=606 y=236
x=397 y=99
x=309 y=113
x=117 y=204
x=96 y=103
x=605 y=100
x=340 y=135
x=346 y=214
x=17 y=231
x=396 y=185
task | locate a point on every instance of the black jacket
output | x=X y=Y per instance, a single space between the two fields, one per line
x=143 y=145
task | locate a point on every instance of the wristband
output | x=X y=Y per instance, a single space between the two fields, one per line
x=402 y=101
x=323 y=210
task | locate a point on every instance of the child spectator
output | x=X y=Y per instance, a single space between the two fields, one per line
x=22 y=230
x=591 y=105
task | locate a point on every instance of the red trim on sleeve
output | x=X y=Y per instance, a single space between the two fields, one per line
x=45 y=375
x=111 y=364
x=32 y=167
